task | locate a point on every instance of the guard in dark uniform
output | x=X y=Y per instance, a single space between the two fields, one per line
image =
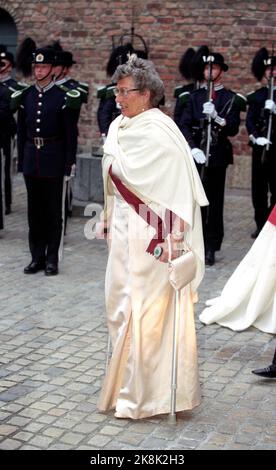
x=64 y=62
x=261 y=111
x=47 y=144
x=181 y=92
x=80 y=90
x=10 y=125
x=222 y=112
x=4 y=117
x=108 y=109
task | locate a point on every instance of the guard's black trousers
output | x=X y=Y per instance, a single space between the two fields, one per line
x=263 y=183
x=212 y=215
x=274 y=358
x=1 y=195
x=7 y=155
x=44 y=217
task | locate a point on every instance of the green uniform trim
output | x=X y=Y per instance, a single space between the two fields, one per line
x=16 y=98
x=84 y=92
x=178 y=90
x=106 y=92
x=184 y=97
x=240 y=101
x=73 y=99
x=251 y=97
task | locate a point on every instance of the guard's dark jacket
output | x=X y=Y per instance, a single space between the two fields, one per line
x=4 y=111
x=263 y=182
x=107 y=109
x=45 y=114
x=10 y=127
x=4 y=116
x=257 y=116
x=178 y=93
x=193 y=124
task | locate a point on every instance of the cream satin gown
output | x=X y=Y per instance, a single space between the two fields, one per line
x=249 y=296
x=140 y=306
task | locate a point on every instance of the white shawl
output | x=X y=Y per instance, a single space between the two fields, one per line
x=155 y=162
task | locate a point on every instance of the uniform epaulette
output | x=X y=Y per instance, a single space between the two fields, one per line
x=22 y=85
x=83 y=88
x=184 y=97
x=101 y=91
x=15 y=86
x=178 y=90
x=63 y=87
x=250 y=97
x=106 y=92
x=12 y=89
x=73 y=99
x=240 y=101
x=16 y=98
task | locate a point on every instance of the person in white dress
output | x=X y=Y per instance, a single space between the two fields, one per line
x=249 y=296
x=147 y=164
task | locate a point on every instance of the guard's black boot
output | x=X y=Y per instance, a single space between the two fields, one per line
x=34 y=267
x=210 y=258
x=269 y=372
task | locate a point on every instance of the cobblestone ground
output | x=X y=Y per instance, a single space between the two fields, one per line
x=52 y=353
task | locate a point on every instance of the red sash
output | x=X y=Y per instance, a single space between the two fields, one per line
x=162 y=228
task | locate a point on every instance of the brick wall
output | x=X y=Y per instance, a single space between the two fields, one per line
x=235 y=28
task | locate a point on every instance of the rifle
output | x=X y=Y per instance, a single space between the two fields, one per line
x=270 y=94
x=208 y=60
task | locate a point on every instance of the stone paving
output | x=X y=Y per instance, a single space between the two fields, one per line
x=52 y=353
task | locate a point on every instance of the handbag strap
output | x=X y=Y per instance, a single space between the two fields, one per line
x=185 y=248
x=169 y=248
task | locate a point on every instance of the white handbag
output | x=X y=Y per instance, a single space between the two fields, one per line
x=182 y=270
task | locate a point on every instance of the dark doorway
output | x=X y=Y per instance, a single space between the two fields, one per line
x=8 y=31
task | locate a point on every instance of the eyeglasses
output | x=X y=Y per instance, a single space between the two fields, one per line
x=124 y=91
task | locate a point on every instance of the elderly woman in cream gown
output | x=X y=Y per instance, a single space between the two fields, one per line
x=249 y=296
x=150 y=157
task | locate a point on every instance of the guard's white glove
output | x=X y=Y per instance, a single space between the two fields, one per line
x=72 y=174
x=209 y=109
x=271 y=106
x=100 y=231
x=73 y=171
x=103 y=137
x=259 y=140
x=198 y=155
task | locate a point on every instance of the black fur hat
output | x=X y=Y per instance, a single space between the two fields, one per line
x=118 y=56
x=24 y=56
x=197 y=63
x=141 y=54
x=185 y=63
x=261 y=61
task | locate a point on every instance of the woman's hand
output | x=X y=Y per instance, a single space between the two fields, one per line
x=176 y=250
x=101 y=230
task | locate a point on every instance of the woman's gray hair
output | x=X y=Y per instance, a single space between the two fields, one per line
x=144 y=75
